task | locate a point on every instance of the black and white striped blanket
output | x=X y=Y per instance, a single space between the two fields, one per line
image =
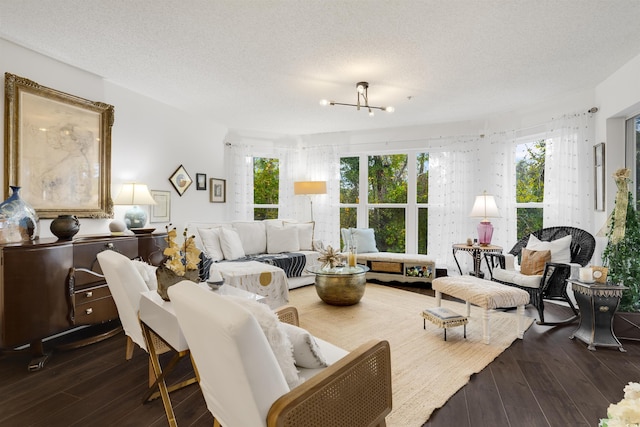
x=292 y=263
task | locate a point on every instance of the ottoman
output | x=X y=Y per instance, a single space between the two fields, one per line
x=483 y=293
x=444 y=318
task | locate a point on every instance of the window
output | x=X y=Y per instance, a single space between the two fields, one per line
x=398 y=218
x=349 y=190
x=530 y=159
x=266 y=187
x=633 y=150
x=422 y=198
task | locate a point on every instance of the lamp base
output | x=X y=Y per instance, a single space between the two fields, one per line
x=485 y=233
x=135 y=218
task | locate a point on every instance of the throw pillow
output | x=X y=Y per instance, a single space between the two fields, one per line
x=148 y=273
x=306 y=351
x=231 y=244
x=253 y=236
x=305 y=234
x=276 y=336
x=282 y=239
x=533 y=262
x=365 y=239
x=211 y=242
x=204 y=266
x=345 y=233
x=560 y=248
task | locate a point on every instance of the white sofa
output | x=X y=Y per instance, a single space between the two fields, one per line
x=230 y=244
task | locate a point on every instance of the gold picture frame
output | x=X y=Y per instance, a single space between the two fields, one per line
x=600 y=274
x=58 y=150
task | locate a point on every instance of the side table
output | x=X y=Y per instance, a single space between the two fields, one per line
x=597 y=303
x=476 y=252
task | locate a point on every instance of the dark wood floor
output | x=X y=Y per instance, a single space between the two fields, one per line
x=544 y=380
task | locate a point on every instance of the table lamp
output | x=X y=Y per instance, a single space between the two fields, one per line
x=308 y=188
x=485 y=207
x=136 y=195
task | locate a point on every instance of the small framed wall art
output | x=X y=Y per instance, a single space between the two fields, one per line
x=180 y=180
x=161 y=211
x=201 y=181
x=217 y=190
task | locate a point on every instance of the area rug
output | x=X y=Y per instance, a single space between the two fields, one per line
x=426 y=370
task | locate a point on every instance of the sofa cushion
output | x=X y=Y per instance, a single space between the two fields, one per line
x=365 y=239
x=560 y=248
x=305 y=234
x=514 y=276
x=231 y=244
x=282 y=239
x=306 y=352
x=253 y=235
x=210 y=238
x=533 y=261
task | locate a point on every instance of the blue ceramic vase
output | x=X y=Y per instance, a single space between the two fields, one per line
x=19 y=222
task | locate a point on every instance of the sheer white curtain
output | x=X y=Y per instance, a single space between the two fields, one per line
x=239 y=158
x=453 y=174
x=568 y=188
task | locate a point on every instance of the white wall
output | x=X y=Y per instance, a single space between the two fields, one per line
x=149 y=140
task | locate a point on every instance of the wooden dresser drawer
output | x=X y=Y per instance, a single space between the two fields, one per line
x=96 y=311
x=91 y=294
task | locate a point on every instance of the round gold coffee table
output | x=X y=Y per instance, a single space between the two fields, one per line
x=341 y=285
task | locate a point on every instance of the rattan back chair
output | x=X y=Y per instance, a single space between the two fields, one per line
x=553 y=284
x=243 y=384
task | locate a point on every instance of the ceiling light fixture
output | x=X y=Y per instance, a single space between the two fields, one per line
x=362 y=89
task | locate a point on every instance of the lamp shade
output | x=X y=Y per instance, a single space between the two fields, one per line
x=134 y=194
x=485 y=207
x=309 y=187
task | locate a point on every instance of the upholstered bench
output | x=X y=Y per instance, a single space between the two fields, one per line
x=396 y=267
x=444 y=318
x=483 y=293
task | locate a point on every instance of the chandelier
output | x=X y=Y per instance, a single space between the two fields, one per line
x=362 y=89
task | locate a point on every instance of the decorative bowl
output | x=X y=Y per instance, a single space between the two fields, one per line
x=215 y=285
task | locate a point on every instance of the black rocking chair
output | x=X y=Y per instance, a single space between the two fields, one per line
x=553 y=285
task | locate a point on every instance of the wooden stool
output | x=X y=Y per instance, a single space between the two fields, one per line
x=444 y=318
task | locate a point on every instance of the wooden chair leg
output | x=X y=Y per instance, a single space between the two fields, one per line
x=129 y=350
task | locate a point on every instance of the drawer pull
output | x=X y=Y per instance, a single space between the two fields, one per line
x=88 y=311
x=88 y=294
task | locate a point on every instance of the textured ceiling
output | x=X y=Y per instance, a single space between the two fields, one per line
x=264 y=65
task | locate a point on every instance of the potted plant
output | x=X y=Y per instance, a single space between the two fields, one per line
x=622 y=259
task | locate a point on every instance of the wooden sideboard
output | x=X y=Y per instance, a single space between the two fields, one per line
x=48 y=286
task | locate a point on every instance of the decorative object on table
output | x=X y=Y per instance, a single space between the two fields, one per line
x=217 y=190
x=161 y=211
x=620 y=254
x=215 y=280
x=485 y=207
x=626 y=412
x=586 y=275
x=330 y=258
x=117 y=227
x=201 y=181
x=599 y=274
x=19 y=222
x=309 y=188
x=352 y=252
x=65 y=226
x=180 y=180
x=181 y=262
x=135 y=195
x=362 y=89
x=598 y=171
x=52 y=138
